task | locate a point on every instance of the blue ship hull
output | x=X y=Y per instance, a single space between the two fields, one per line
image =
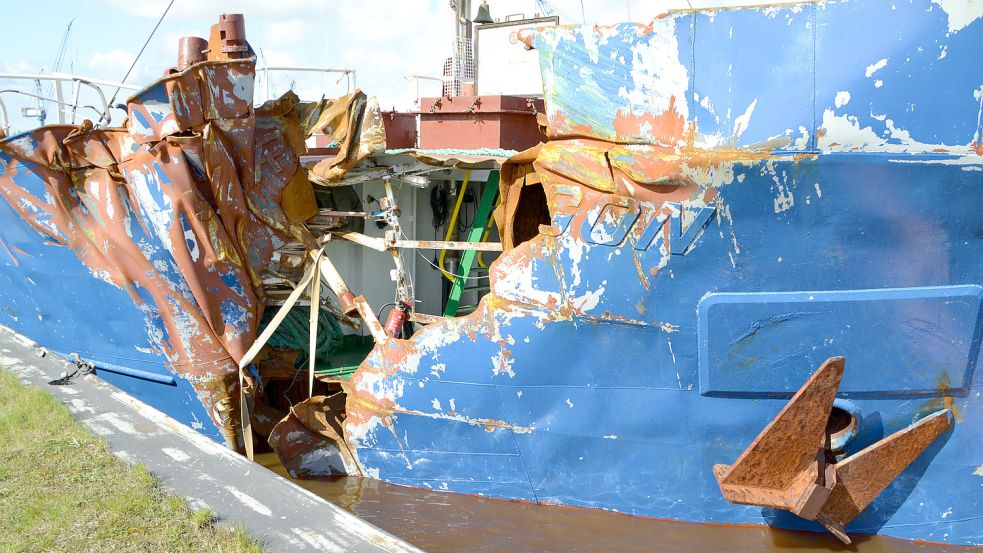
x=49 y=296
x=631 y=415
x=735 y=196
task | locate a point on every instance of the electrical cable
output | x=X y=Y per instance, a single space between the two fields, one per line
x=438 y=207
x=383 y=308
x=434 y=265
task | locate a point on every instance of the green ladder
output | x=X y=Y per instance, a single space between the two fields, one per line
x=481 y=217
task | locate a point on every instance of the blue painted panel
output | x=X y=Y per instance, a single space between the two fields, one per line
x=914 y=79
x=50 y=297
x=753 y=76
x=501 y=490
x=909 y=341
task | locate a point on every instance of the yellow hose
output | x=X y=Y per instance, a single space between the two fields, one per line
x=452 y=224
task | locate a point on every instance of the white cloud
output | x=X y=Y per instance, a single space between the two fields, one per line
x=19 y=67
x=115 y=61
x=208 y=10
x=291 y=31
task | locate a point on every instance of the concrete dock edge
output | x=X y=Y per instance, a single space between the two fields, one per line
x=281 y=515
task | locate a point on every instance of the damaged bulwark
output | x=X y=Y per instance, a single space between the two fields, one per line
x=677 y=258
x=182 y=207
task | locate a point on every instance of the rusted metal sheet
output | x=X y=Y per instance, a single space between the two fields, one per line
x=308 y=440
x=864 y=475
x=778 y=468
x=354 y=121
x=472 y=122
x=182 y=208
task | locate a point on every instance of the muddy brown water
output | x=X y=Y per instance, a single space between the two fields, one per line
x=441 y=522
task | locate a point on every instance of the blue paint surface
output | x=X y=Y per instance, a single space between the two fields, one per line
x=871 y=249
x=628 y=403
x=616 y=411
x=50 y=297
x=926 y=338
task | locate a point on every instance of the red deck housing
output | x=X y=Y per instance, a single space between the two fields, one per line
x=473 y=122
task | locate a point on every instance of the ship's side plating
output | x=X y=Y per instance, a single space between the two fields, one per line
x=735 y=196
x=141 y=249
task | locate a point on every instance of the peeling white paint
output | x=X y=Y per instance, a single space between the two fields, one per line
x=842 y=98
x=587 y=301
x=502 y=364
x=960 y=12
x=785 y=199
x=843 y=133
x=658 y=75
x=742 y=121
x=875 y=67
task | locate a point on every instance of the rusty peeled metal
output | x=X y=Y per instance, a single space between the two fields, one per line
x=232 y=33
x=309 y=440
x=190 y=50
x=181 y=208
x=789 y=466
x=355 y=122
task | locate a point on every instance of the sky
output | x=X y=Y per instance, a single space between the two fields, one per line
x=385 y=41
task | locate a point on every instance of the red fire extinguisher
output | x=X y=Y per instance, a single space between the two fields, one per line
x=396 y=318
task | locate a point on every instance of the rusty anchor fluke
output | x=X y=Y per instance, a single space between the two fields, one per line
x=788 y=466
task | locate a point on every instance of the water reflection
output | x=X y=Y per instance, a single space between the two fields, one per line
x=444 y=523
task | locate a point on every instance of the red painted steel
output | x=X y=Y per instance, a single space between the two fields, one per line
x=474 y=122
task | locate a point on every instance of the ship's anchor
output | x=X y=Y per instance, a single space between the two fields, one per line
x=788 y=465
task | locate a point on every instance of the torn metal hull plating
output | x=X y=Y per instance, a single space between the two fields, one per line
x=141 y=248
x=735 y=195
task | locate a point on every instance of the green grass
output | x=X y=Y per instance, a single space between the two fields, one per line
x=62 y=490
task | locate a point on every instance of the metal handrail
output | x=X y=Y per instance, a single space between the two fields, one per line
x=67 y=77
x=5 y=126
x=418 y=78
x=58 y=79
x=349 y=74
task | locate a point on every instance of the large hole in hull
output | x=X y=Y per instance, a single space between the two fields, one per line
x=530 y=212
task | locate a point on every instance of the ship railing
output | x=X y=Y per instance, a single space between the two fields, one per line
x=416 y=83
x=348 y=74
x=66 y=109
